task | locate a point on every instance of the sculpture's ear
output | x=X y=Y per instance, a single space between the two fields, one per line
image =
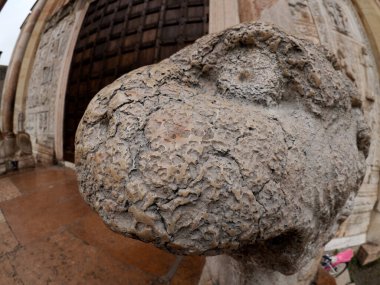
x=363 y=135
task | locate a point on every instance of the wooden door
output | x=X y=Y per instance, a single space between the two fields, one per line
x=118 y=36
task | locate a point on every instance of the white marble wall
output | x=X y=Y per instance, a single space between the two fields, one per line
x=337 y=26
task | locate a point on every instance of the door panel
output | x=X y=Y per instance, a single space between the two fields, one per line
x=119 y=36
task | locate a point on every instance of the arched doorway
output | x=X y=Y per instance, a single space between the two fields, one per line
x=118 y=36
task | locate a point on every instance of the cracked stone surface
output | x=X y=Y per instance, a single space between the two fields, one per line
x=249 y=142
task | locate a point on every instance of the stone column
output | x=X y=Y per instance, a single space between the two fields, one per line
x=28 y=61
x=373 y=234
x=80 y=13
x=18 y=148
x=223 y=14
x=11 y=78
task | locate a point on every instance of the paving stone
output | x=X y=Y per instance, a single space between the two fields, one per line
x=8 y=190
x=148 y=258
x=37 y=179
x=344 y=278
x=92 y=230
x=189 y=271
x=40 y=213
x=8 y=242
x=65 y=259
x=49 y=236
x=8 y=275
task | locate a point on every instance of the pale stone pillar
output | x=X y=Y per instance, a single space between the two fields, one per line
x=373 y=234
x=28 y=60
x=80 y=13
x=275 y=12
x=223 y=14
x=11 y=79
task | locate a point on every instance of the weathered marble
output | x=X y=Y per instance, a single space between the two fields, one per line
x=249 y=142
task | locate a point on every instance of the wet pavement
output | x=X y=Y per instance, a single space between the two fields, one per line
x=48 y=235
x=365 y=275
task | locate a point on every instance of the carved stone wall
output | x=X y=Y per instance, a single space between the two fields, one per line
x=42 y=89
x=336 y=25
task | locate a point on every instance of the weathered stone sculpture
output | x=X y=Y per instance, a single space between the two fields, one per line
x=249 y=143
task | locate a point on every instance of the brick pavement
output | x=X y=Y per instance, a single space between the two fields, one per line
x=48 y=235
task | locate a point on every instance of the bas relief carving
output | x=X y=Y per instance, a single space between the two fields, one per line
x=40 y=105
x=337 y=16
x=340 y=30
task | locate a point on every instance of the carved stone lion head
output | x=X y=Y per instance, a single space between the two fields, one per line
x=244 y=143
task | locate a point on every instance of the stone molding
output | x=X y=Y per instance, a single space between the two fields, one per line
x=80 y=13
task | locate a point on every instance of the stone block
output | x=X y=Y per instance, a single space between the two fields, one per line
x=368 y=253
x=26 y=161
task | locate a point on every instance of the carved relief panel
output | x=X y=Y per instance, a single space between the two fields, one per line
x=42 y=87
x=336 y=25
x=303 y=20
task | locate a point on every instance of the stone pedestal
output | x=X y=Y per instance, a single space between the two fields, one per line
x=3 y=167
x=225 y=270
x=16 y=152
x=26 y=161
